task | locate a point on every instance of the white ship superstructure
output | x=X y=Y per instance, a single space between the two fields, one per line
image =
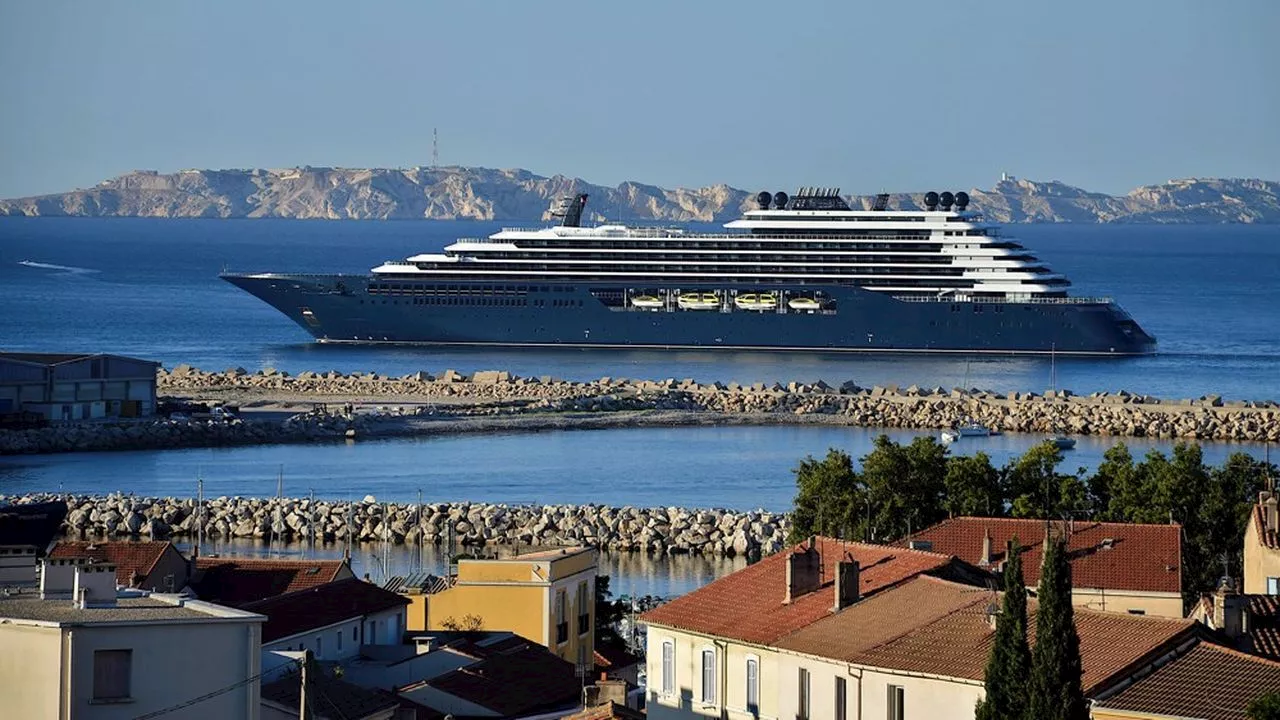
x=812 y=238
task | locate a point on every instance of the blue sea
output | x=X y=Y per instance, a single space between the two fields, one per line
x=149 y=288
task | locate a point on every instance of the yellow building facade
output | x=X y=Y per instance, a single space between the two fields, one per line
x=546 y=596
x=1261 y=549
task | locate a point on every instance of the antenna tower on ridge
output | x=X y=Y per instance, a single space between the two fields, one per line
x=435 y=148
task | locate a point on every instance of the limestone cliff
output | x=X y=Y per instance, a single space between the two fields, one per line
x=487 y=194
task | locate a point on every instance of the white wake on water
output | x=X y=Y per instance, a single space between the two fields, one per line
x=59 y=268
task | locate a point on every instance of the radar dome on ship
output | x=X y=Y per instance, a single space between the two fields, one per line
x=780 y=200
x=962 y=200
x=931 y=199
x=763 y=199
x=946 y=199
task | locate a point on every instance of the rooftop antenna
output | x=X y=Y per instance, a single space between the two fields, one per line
x=435 y=148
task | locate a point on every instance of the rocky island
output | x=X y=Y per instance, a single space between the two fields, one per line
x=473 y=193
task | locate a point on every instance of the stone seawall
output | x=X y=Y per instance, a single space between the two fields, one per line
x=1118 y=413
x=496 y=401
x=659 y=530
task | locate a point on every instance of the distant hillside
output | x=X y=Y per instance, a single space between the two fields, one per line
x=486 y=194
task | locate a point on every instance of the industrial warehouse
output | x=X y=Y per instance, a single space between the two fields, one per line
x=68 y=387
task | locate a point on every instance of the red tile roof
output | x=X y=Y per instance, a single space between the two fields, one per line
x=942 y=628
x=517 y=680
x=322 y=605
x=235 y=581
x=134 y=561
x=748 y=605
x=1114 y=556
x=1209 y=682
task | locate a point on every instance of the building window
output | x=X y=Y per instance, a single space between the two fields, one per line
x=753 y=686
x=355 y=634
x=668 y=667
x=339 y=634
x=319 y=647
x=897 y=696
x=709 y=676
x=562 y=613
x=802 y=695
x=112 y=671
x=841 y=699
x=584 y=609
x=1273 y=586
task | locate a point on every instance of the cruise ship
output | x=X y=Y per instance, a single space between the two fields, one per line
x=802 y=272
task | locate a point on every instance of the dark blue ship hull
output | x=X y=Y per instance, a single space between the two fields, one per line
x=345 y=308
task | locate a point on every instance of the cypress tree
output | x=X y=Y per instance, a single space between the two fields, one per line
x=1009 y=663
x=1055 y=692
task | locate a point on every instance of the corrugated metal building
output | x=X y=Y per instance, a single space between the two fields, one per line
x=69 y=387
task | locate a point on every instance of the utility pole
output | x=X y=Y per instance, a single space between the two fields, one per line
x=302 y=700
x=199 y=512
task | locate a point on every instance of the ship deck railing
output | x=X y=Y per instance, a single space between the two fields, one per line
x=656 y=235
x=1031 y=300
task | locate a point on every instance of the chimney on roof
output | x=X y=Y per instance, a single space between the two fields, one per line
x=1268 y=501
x=95 y=586
x=804 y=570
x=58 y=577
x=986 y=548
x=848 y=577
x=1228 y=609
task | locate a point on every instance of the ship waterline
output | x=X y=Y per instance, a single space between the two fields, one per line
x=808 y=275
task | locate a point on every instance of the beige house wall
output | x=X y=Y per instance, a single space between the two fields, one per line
x=47 y=671
x=30 y=671
x=1260 y=561
x=685 y=700
x=923 y=697
x=866 y=689
x=171 y=664
x=1167 y=605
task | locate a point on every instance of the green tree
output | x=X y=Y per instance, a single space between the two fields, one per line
x=905 y=486
x=1036 y=489
x=608 y=612
x=973 y=487
x=1009 y=662
x=1114 y=482
x=1264 y=707
x=1054 y=692
x=828 y=497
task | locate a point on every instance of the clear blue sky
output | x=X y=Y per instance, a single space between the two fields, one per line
x=892 y=95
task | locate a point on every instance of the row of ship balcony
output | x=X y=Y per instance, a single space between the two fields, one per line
x=1019 y=298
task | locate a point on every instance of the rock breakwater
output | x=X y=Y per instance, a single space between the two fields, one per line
x=657 y=530
x=1121 y=413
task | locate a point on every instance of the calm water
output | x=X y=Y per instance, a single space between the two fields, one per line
x=740 y=467
x=634 y=574
x=1211 y=294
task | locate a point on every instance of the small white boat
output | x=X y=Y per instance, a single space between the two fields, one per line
x=751 y=301
x=973 y=428
x=1062 y=442
x=804 y=303
x=949 y=436
x=647 y=302
x=699 y=301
